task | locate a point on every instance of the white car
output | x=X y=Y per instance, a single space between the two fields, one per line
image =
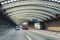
x=17 y=28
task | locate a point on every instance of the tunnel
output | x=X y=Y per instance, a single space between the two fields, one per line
x=32 y=16
x=14 y=12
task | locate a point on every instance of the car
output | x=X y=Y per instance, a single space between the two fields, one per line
x=17 y=28
x=25 y=27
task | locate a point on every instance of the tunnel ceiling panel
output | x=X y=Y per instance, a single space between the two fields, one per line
x=31 y=8
x=42 y=12
x=32 y=13
x=44 y=3
x=26 y=10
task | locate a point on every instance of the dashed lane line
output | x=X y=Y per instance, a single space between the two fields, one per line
x=28 y=37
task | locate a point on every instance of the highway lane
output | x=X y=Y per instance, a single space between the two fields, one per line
x=34 y=36
x=13 y=35
x=22 y=35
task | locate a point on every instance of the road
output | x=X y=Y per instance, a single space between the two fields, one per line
x=23 y=35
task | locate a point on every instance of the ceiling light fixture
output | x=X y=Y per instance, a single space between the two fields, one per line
x=53 y=0
x=58 y=1
x=8 y=1
x=2 y=3
x=14 y=0
x=11 y=1
x=5 y=2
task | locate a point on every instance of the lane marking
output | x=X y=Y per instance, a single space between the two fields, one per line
x=54 y=33
x=55 y=36
x=58 y=34
x=28 y=37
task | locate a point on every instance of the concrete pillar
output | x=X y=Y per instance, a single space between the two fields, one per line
x=42 y=25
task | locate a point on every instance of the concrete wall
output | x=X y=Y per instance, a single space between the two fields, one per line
x=4 y=26
x=55 y=26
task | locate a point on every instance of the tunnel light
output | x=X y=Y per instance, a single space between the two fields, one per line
x=58 y=1
x=5 y=2
x=58 y=9
x=2 y=3
x=25 y=23
x=53 y=0
x=14 y=0
x=8 y=1
x=11 y=1
x=50 y=6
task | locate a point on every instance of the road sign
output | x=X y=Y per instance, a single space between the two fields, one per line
x=35 y=19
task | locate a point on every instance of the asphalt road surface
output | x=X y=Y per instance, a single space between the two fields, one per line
x=23 y=35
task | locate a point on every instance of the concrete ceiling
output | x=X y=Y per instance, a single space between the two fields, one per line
x=20 y=11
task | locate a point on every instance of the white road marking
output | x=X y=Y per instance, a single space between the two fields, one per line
x=54 y=33
x=58 y=34
x=55 y=36
x=28 y=37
